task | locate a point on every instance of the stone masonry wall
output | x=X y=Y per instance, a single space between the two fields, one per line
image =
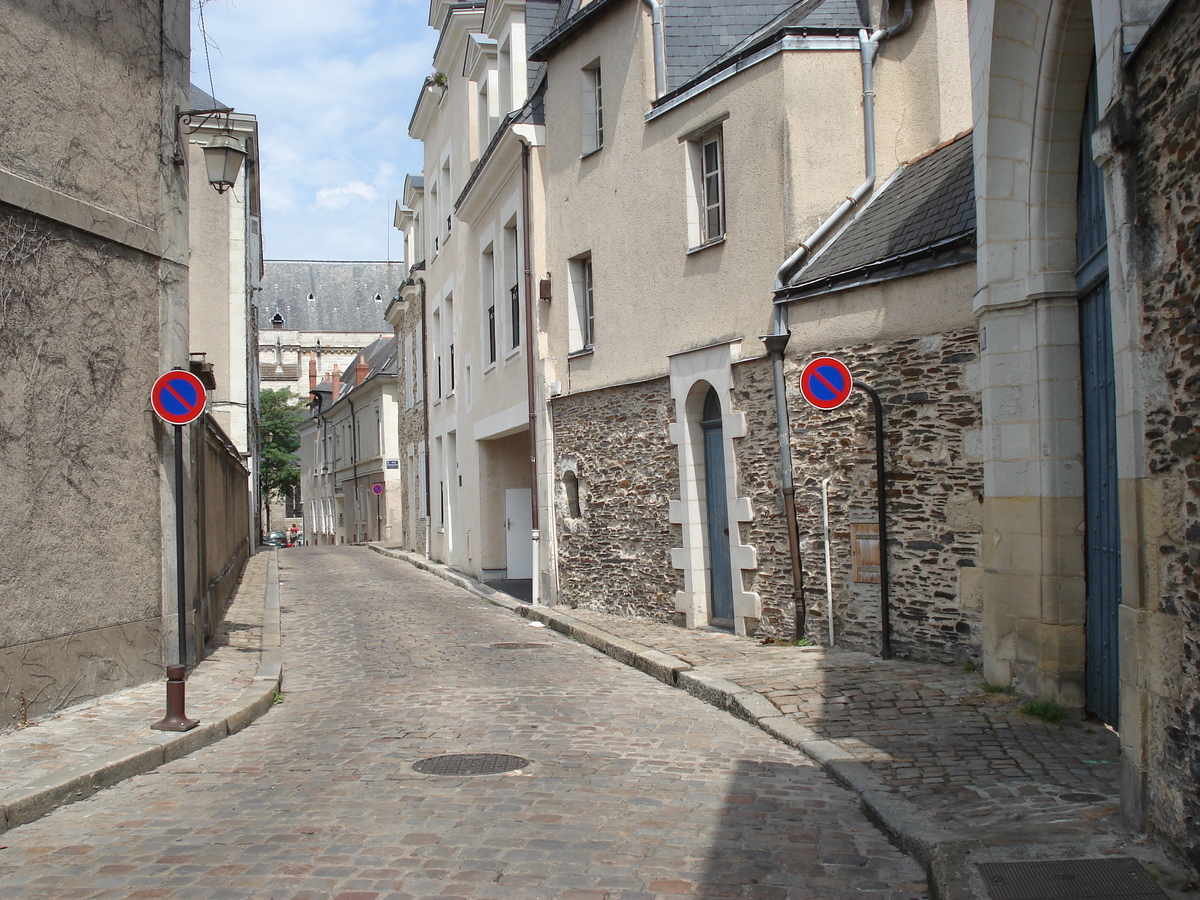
x=616 y=555
x=935 y=486
x=1167 y=105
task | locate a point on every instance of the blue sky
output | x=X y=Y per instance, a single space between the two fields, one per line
x=333 y=84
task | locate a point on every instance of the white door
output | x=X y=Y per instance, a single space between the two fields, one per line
x=518 y=531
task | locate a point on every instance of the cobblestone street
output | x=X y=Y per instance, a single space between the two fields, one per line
x=633 y=790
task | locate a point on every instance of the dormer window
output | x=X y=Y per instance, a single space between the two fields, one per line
x=311 y=297
x=277 y=322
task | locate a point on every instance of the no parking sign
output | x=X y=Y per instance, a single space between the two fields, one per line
x=178 y=397
x=826 y=382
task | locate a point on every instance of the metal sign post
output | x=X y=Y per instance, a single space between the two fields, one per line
x=826 y=383
x=178 y=398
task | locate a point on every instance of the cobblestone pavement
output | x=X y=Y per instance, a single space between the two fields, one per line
x=85 y=731
x=633 y=789
x=930 y=733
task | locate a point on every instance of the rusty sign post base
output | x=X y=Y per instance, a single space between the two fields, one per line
x=175 y=719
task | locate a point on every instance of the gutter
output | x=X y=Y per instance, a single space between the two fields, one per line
x=776 y=341
x=660 y=48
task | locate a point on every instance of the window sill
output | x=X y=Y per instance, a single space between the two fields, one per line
x=489 y=369
x=512 y=354
x=592 y=152
x=715 y=242
x=586 y=351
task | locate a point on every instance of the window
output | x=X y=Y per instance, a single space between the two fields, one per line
x=592 y=109
x=706 y=189
x=446 y=190
x=448 y=323
x=582 y=334
x=488 y=281
x=511 y=280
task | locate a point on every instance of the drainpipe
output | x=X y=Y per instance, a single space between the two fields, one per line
x=660 y=51
x=777 y=340
x=530 y=372
x=354 y=463
x=425 y=409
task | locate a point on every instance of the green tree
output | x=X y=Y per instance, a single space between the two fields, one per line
x=280 y=413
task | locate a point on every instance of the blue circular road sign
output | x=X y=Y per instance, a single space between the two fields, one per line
x=178 y=397
x=826 y=382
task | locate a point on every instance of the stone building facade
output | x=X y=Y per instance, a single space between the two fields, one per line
x=615 y=473
x=406 y=313
x=93 y=306
x=1165 y=92
x=1088 y=507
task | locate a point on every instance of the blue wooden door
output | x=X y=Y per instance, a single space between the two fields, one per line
x=720 y=578
x=1102 y=519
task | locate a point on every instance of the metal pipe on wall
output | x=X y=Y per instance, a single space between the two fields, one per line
x=530 y=372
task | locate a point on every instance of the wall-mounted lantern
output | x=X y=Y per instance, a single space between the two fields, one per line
x=223 y=154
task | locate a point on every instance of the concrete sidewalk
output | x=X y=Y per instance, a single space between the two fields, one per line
x=955 y=775
x=76 y=752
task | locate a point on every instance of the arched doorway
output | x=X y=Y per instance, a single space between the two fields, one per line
x=720 y=578
x=1098 y=387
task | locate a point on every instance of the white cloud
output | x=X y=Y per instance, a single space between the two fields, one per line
x=338 y=197
x=333 y=86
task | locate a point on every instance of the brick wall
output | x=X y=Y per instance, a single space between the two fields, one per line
x=1168 y=172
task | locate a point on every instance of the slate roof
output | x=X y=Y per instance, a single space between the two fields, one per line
x=198 y=99
x=922 y=218
x=703 y=34
x=343 y=295
x=380 y=357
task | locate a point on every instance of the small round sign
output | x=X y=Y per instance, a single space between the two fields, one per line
x=377 y=489
x=826 y=382
x=178 y=397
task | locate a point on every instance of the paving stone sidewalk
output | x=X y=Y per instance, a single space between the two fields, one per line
x=71 y=754
x=956 y=774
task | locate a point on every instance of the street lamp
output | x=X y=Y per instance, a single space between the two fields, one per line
x=223 y=155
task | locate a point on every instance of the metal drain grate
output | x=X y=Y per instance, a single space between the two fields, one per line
x=518 y=645
x=1120 y=878
x=470 y=764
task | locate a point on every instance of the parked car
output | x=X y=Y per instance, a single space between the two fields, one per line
x=276 y=539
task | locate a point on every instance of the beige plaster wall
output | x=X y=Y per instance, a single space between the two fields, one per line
x=94 y=309
x=793 y=145
x=219 y=283
x=488 y=402
x=82 y=100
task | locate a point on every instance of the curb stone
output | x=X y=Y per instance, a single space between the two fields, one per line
x=158 y=747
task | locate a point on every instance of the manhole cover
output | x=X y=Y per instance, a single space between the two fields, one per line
x=518 y=645
x=470 y=764
x=1070 y=879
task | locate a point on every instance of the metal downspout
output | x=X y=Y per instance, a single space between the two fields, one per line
x=354 y=463
x=660 y=52
x=425 y=409
x=776 y=341
x=530 y=372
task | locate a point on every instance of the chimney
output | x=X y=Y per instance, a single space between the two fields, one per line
x=360 y=371
x=312 y=372
x=336 y=381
